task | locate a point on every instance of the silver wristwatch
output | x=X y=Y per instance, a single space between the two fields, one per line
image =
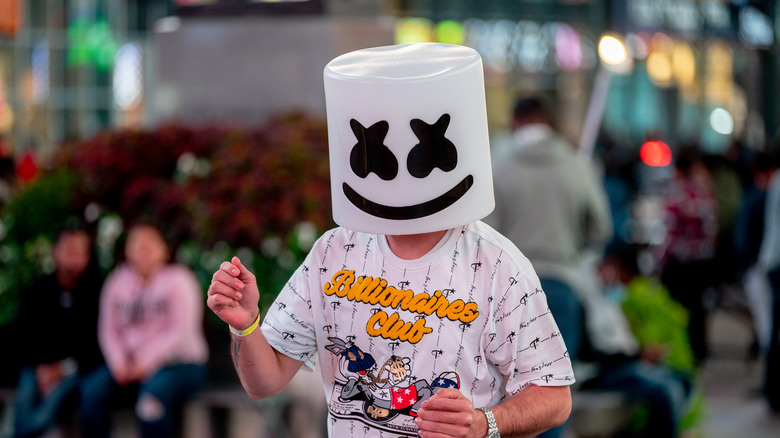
x=492 y=427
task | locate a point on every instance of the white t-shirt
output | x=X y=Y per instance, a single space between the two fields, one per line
x=389 y=332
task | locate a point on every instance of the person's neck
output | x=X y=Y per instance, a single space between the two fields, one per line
x=414 y=246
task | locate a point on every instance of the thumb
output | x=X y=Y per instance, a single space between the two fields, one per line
x=447 y=393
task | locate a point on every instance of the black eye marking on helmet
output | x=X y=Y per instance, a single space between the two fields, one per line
x=370 y=153
x=433 y=150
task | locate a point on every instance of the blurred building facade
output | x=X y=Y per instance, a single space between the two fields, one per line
x=71 y=68
x=702 y=70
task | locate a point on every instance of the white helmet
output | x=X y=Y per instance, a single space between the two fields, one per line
x=408 y=138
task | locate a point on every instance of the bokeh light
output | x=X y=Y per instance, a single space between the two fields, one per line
x=655 y=154
x=128 y=77
x=684 y=64
x=450 y=32
x=414 y=30
x=721 y=121
x=659 y=68
x=40 y=72
x=612 y=51
x=568 y=49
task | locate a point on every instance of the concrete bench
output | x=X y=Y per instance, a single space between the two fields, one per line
x=231 y=413
x=599 y=414
x=215 y=412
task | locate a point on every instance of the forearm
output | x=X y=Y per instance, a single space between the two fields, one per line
x=532 y=411
x=263 y=371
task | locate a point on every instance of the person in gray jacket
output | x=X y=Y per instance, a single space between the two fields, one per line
x=551 y=204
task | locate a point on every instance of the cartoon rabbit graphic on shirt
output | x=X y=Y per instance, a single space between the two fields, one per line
x=387 y=390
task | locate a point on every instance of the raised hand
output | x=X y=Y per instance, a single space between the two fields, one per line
x=233 y=294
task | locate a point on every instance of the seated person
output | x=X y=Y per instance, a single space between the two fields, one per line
x=60 y=312
x=151 y=333
x=619 y=352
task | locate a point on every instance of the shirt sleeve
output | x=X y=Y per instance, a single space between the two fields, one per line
x=289 y=323
x=524 y=341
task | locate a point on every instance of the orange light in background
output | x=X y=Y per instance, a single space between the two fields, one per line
x=659 y=60
x=718 y=74
x=6 y=113
x=10 y=16
x=659 y=68
x=655 y=154
x=684 y=64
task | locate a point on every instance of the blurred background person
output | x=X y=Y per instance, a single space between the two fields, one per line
x=769 y=260
x=727 y=187
x=624 y=351
x=151 y=333
x=687 y=254
x=59 y=311
x=748 y=235
x=551 y=204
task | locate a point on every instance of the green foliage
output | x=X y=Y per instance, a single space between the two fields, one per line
x=30 y=224
x=30 y=212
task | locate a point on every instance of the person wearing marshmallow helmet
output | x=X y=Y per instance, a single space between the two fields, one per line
x=424 y=320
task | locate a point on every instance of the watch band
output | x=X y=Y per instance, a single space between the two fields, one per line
x=492 y=426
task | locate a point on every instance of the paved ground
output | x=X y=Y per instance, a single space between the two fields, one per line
x=732 y=383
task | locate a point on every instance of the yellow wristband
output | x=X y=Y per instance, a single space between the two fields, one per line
x=249 y=330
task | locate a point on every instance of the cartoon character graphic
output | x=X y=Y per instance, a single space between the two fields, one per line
x=388 y=391
x=357 y=361
x=405 y=393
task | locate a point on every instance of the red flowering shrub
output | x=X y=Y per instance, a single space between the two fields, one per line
x=208 y=184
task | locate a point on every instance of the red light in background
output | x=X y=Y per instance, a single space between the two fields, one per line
x=655 y=154
x=27 y=170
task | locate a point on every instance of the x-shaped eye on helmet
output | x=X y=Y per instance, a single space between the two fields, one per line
x=370 y=153
x=433 y=150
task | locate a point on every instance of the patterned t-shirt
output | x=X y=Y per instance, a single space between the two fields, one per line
x=388 y=332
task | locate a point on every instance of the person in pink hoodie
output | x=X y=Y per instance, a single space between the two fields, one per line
x=150 y=332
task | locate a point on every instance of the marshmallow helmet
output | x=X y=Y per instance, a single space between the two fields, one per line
x=408 y=138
